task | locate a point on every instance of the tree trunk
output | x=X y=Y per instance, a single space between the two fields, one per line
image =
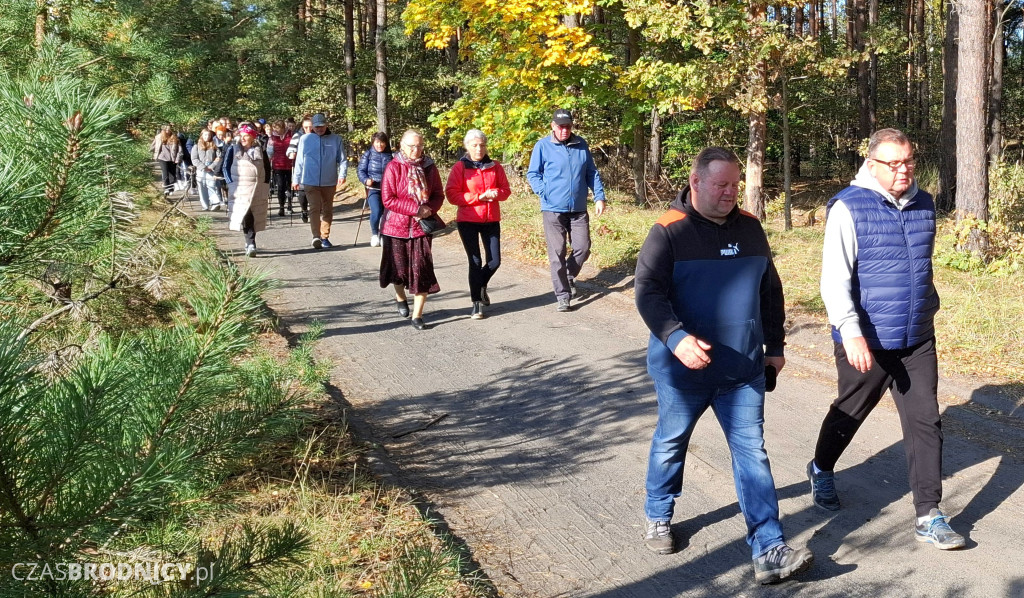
x=787 y=161
x=371 y=23
x=995 y=103
x=381 y=79
x=301 y=17
x=920 y=67
x=42 y=14
x=863 y=67
x=946 y=199
x=639 y=162
x=798 y=20
x=835 y=19
x=350 y=68
x=971 y=165
x=873 y=69
x=813 y=17
x=654 y=155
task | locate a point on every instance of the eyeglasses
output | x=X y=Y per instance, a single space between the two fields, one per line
x=895 y=165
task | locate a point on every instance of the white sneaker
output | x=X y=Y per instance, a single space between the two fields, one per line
x=374 y=241
x=250 y=251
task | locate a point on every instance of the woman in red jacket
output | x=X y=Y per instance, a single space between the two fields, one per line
x=476 y=184
x=411 y=191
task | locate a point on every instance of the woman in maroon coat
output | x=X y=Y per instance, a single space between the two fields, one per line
x=411 y=191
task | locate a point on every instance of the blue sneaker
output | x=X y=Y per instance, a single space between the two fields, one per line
x=823 y=488
x=938 y=532
x=326 y=243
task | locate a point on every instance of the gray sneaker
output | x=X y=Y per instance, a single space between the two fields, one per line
x=823 y=488
x=781 y=562
x=938 y=532
x=563 y=305
x=659 y=537
x=573 y=291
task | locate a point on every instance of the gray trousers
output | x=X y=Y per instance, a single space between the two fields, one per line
x=559 y=226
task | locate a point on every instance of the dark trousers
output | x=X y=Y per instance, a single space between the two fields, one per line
x=376 y=209
x=249 y=228
x=558 y=226
x=283 y=182
x=912 y=375
x=168 y=174
x=303 y=202
x=480 y=271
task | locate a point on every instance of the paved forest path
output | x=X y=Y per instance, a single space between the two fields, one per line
x=540 y=460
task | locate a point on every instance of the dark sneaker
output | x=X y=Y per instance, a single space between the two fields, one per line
x=419 y=324
x=823 y=488
x=938 y=532
x=403 y=308
x=573 y=291
x=483 y=297
x=659 y=537
x=281 y=212
x=478 y=310
x=563 y=305
x=305 y=216
x=316 y=243
x=780 y=563
x=326 y=243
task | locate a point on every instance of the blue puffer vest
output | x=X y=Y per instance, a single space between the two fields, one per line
x=892 y=281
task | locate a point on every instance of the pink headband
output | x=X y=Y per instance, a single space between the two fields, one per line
x=247 y=130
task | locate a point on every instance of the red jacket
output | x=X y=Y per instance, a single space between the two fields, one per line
x=280 y=161
x=399 y=221
x=465 y=184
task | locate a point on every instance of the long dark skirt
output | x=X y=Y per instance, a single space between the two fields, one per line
x=408 y=262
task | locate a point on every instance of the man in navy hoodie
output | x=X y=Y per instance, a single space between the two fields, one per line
x=561 y=172
x=708 y=290
x=876 y=283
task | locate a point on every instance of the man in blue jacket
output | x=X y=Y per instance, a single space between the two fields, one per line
x=319 y=162
x=876 y=283
x=708 y=290
x=561 y=172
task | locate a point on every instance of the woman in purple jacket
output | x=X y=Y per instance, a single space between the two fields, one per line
x=412 y=191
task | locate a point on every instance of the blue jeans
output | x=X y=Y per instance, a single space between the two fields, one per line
x=740 y=412
x=376 y=209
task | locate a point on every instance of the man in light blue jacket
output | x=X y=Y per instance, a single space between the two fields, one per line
x=319 y=162
x=561 y=173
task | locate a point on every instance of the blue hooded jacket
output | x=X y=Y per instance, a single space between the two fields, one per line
x=561 y=174
x=320 y=160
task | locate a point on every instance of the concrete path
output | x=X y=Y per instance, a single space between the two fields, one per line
x=538 y=462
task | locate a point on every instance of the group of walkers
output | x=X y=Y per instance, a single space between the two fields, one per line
x=708 y=290
x=705 y=286
x=404 y=190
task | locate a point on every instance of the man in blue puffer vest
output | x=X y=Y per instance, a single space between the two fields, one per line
x=561 y=173
x=876 y=282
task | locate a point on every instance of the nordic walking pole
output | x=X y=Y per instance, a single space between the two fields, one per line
x=360 y=224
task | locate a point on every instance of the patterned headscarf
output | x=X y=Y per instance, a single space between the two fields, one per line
x=417 y=179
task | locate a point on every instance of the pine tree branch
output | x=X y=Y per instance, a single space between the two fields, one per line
x=68 y=306
x=55 y=189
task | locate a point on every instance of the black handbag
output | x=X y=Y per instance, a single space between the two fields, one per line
x=432 y=225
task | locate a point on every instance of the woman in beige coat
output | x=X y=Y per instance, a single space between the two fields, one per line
x=247 y=173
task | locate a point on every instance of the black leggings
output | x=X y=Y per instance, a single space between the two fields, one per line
x=249 y=228
x=283 y=181
x=480 y=272
x=168 y=174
